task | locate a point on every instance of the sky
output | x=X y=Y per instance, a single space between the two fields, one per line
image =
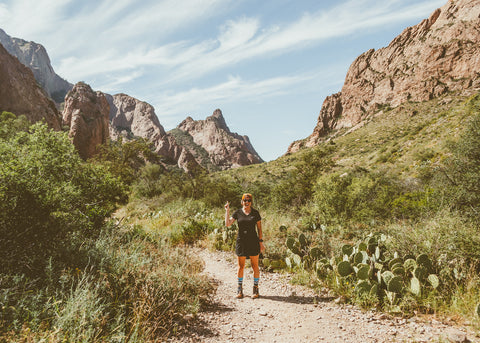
x=268 y=65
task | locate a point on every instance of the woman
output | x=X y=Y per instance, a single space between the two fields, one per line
x=249 y=243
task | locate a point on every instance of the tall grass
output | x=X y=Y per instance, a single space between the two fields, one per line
x=134 y=289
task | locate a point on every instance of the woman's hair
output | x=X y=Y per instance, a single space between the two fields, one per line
x=245 y=195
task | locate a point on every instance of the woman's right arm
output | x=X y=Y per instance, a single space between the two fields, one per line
x=228 y=220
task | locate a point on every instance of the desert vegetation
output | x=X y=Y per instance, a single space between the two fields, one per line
x=386 y=217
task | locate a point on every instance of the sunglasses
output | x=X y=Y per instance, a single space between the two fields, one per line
x=247 y=200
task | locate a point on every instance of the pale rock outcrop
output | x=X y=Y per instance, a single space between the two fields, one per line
x=439 y=55
x=35 y=57
x=20 y=93
x=130 y=118
x=86 y=113
x=224 y=148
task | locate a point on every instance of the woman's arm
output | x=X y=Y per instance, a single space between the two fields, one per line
x=260 y=235
x=228 y=220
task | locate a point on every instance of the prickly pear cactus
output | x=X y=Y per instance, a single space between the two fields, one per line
x=344 y=268
x=420 y=273
x=433 y=280
x=316 y=253
x=347 y=249
x=363 y=287
x=303 y=240
x=387 y=276
x=410 y=265
x=415 y=286
x=424 y=261
x=363 y=272
x=395 y=285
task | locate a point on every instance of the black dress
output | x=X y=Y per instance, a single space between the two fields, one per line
x=247 y=238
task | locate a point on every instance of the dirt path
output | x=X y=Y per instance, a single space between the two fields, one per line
x=287 y=313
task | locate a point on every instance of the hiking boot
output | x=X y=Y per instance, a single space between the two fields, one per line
x=239 y=293
x=255 y=292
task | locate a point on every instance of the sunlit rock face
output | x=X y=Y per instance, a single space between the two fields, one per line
x=20 y=93
x=35 y=57
x=86 y=113
x=439 y=55
x=225 y=149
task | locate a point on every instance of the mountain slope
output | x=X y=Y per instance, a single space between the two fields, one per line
x=20 y=93
x=439 y=55
x=225 y=149
x=35 y=57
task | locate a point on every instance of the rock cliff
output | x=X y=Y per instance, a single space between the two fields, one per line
x=130 y=118
x=439 y=55
x=20 y=93
x=86 y=113
x=206 y=143
x=35 y=57
x=225 y=149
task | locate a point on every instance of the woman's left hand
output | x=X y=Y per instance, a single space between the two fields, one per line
x=262 y=247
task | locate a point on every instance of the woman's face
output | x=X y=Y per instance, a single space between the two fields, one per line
x=247 y=202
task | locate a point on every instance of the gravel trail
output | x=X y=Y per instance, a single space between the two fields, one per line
x=289 y=313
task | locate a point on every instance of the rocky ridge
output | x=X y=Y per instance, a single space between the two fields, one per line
x=20 y=93
x=35 y=57
x=225 y=149
x=86 y=113
x=438 y=55
x=207 y=143
x=130 y=118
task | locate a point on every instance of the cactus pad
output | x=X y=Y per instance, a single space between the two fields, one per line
x=363 y=272
x=415 y=286
x=420 y=273
x=316 y=253
x=303 y=240
x=290 y=243
x=344 y=268
x=347 y=249
x=395 y=285
x=424 y=260
x=433 y=280
x=387 y=276
x=363 y=287
x=410 y=265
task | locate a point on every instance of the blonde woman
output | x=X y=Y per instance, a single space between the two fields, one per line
x=249 y=240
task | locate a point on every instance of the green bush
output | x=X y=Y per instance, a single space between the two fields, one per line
x=49 y=198
x=463 y=169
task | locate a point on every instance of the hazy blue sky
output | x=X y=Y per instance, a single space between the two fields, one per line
x=268 y=65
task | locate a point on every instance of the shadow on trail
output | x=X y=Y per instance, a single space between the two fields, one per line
x=197 y=328
x=297 y=299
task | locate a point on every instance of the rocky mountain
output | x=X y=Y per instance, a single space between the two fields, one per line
x=20 y=93
x=130 y=118
x=86 y=113
x=207 y=143
x=35 y=57
x=441 y=54
x=224 y=149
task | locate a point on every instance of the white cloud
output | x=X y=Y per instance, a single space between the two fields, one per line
x=232 y=90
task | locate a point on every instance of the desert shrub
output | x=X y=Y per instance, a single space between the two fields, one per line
x=126 y=159
x=48 y=198
x=359 y=196
x=463 y=168
x=296 y=189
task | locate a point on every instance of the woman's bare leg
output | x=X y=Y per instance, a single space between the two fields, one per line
x=256 y=269
x=241 y=265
